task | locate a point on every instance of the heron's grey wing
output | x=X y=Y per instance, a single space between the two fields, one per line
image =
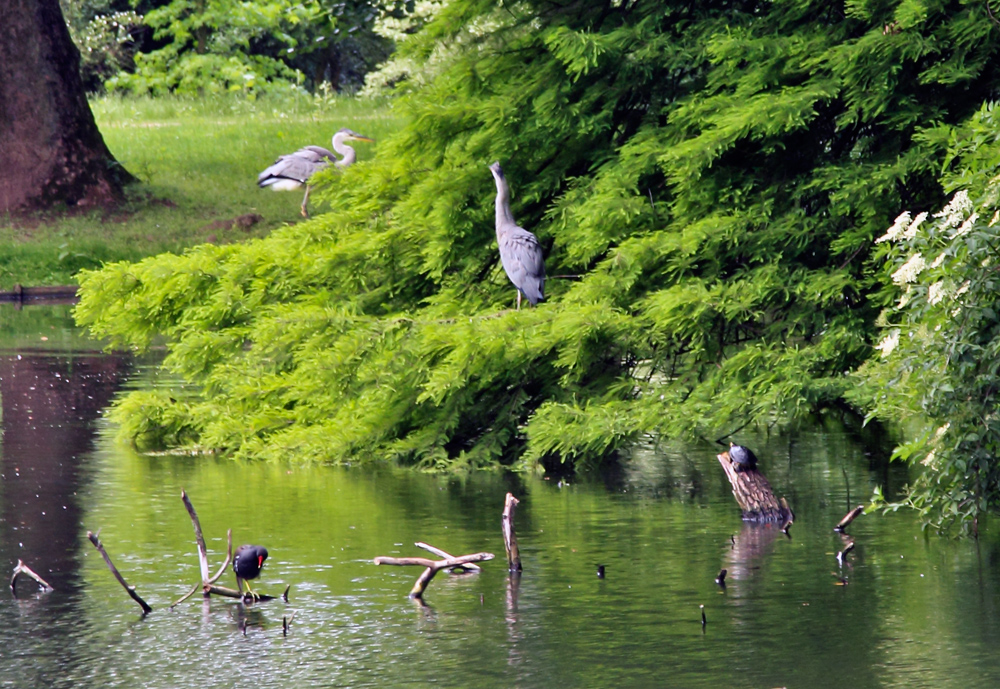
x=318 y=153
x=521 y=256
x=298 y=166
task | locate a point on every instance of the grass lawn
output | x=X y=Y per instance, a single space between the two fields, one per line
x=197 y=163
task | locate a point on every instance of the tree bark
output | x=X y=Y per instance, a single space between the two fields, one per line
x=754 y=495
x=51 y=151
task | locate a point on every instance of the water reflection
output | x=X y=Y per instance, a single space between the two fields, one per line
x=751 y=548
x=49 y=404
x=51 y=394
x=915 y=611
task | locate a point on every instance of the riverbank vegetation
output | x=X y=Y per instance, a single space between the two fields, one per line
x=707 y=181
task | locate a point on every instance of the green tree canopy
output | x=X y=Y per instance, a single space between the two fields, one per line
x=194 y=46
x=714 y=173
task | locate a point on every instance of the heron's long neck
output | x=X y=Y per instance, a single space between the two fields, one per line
x=343 y=149
x=504 y=215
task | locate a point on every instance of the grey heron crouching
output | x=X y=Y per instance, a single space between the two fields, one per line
x=520 y=252
x=293 y=171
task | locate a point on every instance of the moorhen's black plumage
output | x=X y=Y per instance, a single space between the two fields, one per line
x=743 y=457
x=247 y=564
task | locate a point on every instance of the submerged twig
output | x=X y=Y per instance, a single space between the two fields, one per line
x=286 y=622
x=432 y=567
x=440 y=553
x=207 y=582
x=849 y=517
x=24 y=569
x=222 y=570
x=121 y=580
x=247 y=597
x=199 y=538
x=842 y=555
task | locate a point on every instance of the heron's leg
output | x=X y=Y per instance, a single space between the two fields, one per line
x=518 y=300
x=305 y=213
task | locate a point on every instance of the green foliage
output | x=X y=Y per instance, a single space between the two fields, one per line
x=939 y=368
x=107 y=38
x=209 y=45
x=714 y=173
x=251 y=47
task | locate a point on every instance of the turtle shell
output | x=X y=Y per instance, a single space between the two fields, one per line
x=743 y=456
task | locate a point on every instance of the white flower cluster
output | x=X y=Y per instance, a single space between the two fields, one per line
x=909 y=271
x=956 y=210
x=899 y=226
x=903 y=227
x=889 y=342
x=967 y=225
x=911 y=231
x=936 y=293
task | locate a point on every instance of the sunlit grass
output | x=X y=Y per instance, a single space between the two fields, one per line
x=197 y=162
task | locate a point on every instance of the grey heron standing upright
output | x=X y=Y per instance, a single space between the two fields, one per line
x=520 y=252
x=293 y=171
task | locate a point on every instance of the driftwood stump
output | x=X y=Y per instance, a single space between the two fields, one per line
x=509 y=534
x=754 y=495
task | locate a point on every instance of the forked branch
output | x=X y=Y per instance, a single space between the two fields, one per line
x=432 y=567
x=27 y=571
x=440 y=553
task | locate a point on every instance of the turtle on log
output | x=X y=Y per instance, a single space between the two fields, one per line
x=743 y=458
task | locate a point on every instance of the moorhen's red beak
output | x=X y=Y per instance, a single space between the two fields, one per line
x=260 y=561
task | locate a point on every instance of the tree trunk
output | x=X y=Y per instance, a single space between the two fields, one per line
x=51 y=151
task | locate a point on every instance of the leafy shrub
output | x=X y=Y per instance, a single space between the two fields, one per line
x=938 y=373
x=212 y=46
x=108 y=44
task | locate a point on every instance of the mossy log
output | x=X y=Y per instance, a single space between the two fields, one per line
x=754 y=495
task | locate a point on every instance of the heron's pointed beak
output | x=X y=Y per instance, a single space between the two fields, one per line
x=363 y=138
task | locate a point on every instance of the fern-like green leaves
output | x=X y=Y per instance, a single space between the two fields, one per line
x=705 y=178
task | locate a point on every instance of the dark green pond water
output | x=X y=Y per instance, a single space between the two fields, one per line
x=904 y=611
